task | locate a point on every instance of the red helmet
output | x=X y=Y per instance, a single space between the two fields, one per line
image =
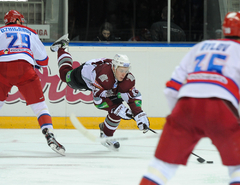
x=12 y=16
x=231 y=24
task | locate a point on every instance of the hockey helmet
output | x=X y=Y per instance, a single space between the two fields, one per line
x=231 y=24
x=12 y=16
x=120 y=60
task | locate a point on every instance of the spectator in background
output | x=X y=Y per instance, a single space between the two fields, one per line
x=159 y=29
x=105 y=33
x=145 y=35
x=218 y=34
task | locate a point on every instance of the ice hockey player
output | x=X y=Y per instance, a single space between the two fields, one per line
x=20 y=51
x=111 y=83
x=203 y=94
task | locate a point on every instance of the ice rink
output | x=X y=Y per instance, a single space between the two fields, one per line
x=26 y=159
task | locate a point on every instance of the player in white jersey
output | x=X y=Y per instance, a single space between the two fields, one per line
x=20 y=52
x=203 y=95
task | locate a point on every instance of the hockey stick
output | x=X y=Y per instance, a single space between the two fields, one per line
x=77 y=124
x=199 y=159
x=144 y=125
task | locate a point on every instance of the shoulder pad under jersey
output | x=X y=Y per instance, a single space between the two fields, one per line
x=127 y=83
x=104 y=76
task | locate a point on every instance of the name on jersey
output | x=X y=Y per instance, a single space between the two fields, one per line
x=215 y=79
x=20 y=50
x=215 y=46
x=15 y=29
x=207 y=76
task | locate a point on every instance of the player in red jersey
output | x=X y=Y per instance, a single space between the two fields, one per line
x=203 y=94
x=110 y=82
x=20 y=52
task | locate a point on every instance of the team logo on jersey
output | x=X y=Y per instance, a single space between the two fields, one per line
x=138 y=103
x=109 y=93
x=102 y=106
x=68 y=76
x=103 y=77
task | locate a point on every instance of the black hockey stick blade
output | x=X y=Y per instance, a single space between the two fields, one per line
x=199 y=159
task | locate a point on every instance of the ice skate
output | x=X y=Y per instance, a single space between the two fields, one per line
x=52 y=143
x=62 y=42
x=111 y=145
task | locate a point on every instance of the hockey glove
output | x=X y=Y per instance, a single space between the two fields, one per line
x=142 y=121
x=123 y=112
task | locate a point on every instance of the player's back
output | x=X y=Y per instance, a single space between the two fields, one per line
x=21 y=42
x=14 y=36
x=213 y=70
x=98 y=70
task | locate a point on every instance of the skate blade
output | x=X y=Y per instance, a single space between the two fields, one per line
x=60 y=151
x=110 y=147
x=55 y=48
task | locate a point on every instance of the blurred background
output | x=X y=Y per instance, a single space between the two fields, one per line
x=128 y=20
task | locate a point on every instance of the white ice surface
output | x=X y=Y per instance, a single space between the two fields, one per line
x=26 y=159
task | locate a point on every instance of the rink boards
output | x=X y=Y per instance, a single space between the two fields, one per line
x=152 y=66
x=65 y=123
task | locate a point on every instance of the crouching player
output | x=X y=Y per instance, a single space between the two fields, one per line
x=111 y=83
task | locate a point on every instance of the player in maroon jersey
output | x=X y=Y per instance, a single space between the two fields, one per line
x=111 y=84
